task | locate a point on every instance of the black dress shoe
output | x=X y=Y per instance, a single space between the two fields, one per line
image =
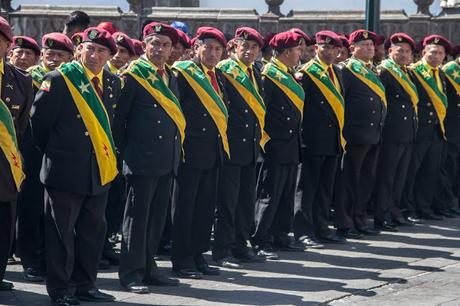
x=385 y=226
x=6 y=286
x=249 y=257
x=349 y=233
x=447 y=214
x=432 y=217
x=207 y=270
x=94 y=295
x=66 y=300
x=310 y=243
x=266 y=252
x=187 y=273
x=33 y=275
x=291 y=246
x=414 y=220
x=400 y=221
x=368 y=231
x=331 y=238
x=160 y=280
x=229 y=262
x=136 y=287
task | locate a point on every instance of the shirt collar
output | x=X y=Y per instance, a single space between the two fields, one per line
x=45 y=67
x=243 y=65
x=151 y=63
x=91 y=75
x=363 y=62
x=280 y=64
x=322 y=64
x=112 y=68
x=428 y=65
x=206 y=69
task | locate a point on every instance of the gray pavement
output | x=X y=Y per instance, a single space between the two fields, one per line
x=416 y=266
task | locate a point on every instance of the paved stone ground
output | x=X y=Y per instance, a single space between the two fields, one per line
x=416 y=266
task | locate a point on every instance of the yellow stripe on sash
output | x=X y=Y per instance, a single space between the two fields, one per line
x=12 y=155
x=291 y=95
x=413 y=94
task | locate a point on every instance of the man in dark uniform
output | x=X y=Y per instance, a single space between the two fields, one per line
x=364 y=116
x=322 y=140
x=56 y=49
x=24 y=52
x=148 y=129
x=70 y=121
x=424 y=168
x=284 y=100
x=237 y=177
x=125 y=51
x=451 y=166
x=16 y=99
x=398 y=133
x=202 y=96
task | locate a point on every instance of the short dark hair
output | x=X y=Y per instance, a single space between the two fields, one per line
x=77 y=19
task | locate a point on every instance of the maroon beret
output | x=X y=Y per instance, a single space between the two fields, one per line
x=184 y=39
x=108 y=26
x=159 y=28
x=137 y=44
x=400 y=38
x=248 y=33
x=101 y=37
x=379 y=40
x=284 y=40
x=329 y=38
x=344 y=41
x=437 y=40
x=25 y=42
x=77 y=38
x=5 y=29
x=124 y=40
x=455 y=51
x=210 y=32
x=360 y=35
x=308 y=39
x=57 y=41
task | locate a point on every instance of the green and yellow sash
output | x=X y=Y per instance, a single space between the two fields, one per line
x=335 y=99
x=452 y=71
x=240 y=80
x=146 y=75
x=94 y=117
x=402 y=79
x=368 y=77
x=210 y=99
x=9 y=145
x=37 y=73
x=286 y=82
x=428 y=82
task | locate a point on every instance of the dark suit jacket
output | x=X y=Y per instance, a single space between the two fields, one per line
x=428 y=123
x=243 y=127
x=282 y=123
x=69 y=162
x=320 y=127
x=17 y=94
x=364 y=111
x=146 y=136
x=203 y=146
x=452 y=121
x=401 y=120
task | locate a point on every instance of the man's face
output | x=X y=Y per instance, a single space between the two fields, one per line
x=308 y=53
x=434 y=54
x=363 y=50
x=292 y=56
x=379 y=53
x=94 y=56
x=157 y=49
x=247 y=51
x=4 y=46
x=177 y=52
x=23 y=58
x=327 y=53
x=401 y=53
x=209 y=52
x=342 y=54
x=52 y=58
x=121 y=58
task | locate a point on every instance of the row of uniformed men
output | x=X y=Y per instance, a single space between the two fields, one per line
x=219 y=118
